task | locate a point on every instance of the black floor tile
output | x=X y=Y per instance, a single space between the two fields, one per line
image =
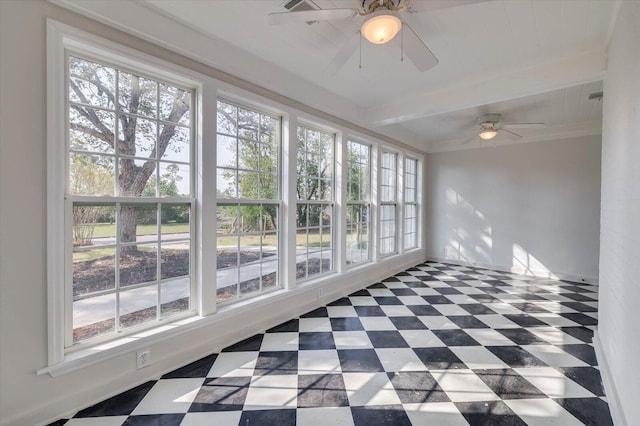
x=407 y=323
x=415 y=284
x=387 y=339
x=253 y=343
x=491 y=413
x=579 y=306
x=508 y=384
x=447 y=290
x=221 y=394
x=477 y=309
x=268 y=418
x=484 y=298
x=380 y=415
x=388 y=300
x=359 y=360
x=578 y=297
x=321 y=390
x=346 y=324
x=403 y=292
x=316 y=340
x=437 y=300
x=196 y=369
x=525 y=320
x=286 y=327
x=439 y=358
x=455 y=338
x=521 y=336
x=316 y=313
x=344 y=301
x=369 y=311
x=591 y=411
x=119 y=405
x=529 y=308
x=582 y=333
x=276 y=363
x=362 y=292
x=467 y=321
x=583 y=352
x=424 y=310
x=154 y=420
x=587 y=377
x=515 y=356
x=417 y=387
x=580 y=318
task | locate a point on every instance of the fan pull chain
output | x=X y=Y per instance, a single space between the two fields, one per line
x=360 y=65
x=402 y=43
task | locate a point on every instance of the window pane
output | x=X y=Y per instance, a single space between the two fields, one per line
x=91 y=129
x=132 y=173
x=227 y=151
x=91 y=175
x=227 y=119
x=138 y=264
x=174 y=296
x=91 y=83
x=177 y=140
x=226 y=183
x=93 y=270
x=175 y=180
x=138 y=95
x=175 y=221
x=175 y=105
x=137 y=136
x=138 y=305
x=174 y=258
x=93 y=316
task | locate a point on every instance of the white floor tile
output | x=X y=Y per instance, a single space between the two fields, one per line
x=369 y=389
x=98 y=421
x=554 y=356
x=341 y=311
x=396 y=311
x=421 y=339
x=212 y=418
x=488 y=337
x=400 y=359
x=542 y=412
x=318 y=362
x=478 y=357
x=556 y=320
x=436 y=413
x=363 y=301
x=426 y=291
x=314 y=324
x=497 y=321
x=270 y=392
x=505 y=309
x=169 y=396
x=463 y=386
x=377 y=323
x=325 y=416
x=554 y=336
x=234 y=364
x=280 y=342
x=413 y=300
x=553 y=383
x=437 y=322
x=461 y=298
x=450 y=309
x=351 y=340
x=380 y=292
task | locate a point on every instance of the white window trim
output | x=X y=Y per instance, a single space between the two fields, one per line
x=367 y=203
x=397 y=203
x=60 y=39
x=416 y=203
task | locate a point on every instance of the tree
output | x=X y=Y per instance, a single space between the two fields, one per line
x=93 y=85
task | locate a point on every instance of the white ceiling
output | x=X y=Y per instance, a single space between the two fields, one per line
x=531 y=60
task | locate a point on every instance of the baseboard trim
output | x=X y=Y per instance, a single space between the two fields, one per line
x=511 y=269
x=609 y=386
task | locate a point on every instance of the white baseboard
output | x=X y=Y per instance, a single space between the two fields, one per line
x=521 y=271
x=610 y=391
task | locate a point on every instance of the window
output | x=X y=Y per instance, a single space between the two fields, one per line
x=314 y=208
x=358 y=202
x=248 y=145
x=410 y=203
x=129 y=200
x=388 y=203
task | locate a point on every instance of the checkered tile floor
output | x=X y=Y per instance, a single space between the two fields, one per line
x=438 y=344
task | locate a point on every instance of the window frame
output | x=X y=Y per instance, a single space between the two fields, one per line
x=382 y=203
x=415 y=204
x=64 y=41
x=367 y=203
x=331 y=204
x=238 y=201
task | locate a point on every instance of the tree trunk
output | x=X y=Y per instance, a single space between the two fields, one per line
x=128 y=224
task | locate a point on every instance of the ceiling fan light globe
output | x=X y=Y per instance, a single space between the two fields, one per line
x=381 y=29
x=488 y=134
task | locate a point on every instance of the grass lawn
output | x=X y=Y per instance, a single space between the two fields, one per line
x=109 y=230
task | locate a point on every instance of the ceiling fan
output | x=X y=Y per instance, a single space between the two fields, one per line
x=382 y=21
x=491 y=124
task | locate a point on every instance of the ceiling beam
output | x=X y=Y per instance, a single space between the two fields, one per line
x=569 y=71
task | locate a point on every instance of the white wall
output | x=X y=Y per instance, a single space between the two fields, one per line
x=29 y=399
x=531 y=208
x=618 y=337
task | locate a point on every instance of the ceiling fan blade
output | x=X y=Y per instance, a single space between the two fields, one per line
x=427 y=6
x=510 y=132
x=416 y=50
x=523 y=125
x=343 y=55
x=310 y=15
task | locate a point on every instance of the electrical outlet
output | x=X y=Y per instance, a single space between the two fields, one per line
x=143 y=359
